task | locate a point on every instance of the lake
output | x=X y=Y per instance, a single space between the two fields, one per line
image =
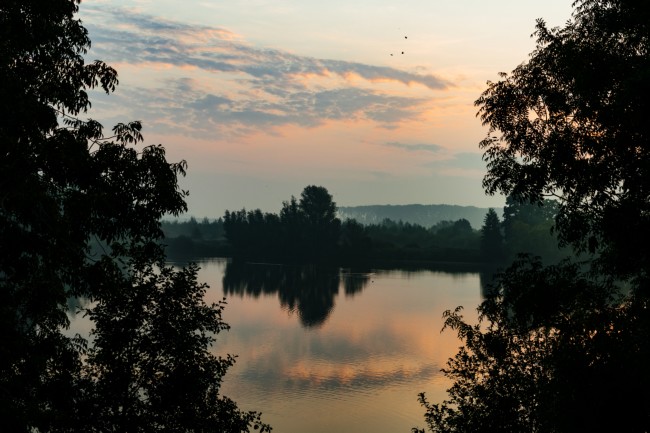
x=328 y=349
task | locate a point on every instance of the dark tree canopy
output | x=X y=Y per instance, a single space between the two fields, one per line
x=317 y=205
x=304 y=230
x=553 y=352
x=79 y=226
x=565 y=348
x=321 y=226
x=529 y=228
x=571 y=122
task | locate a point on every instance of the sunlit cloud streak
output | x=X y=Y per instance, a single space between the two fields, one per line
x=144 y=38
x=240 y=88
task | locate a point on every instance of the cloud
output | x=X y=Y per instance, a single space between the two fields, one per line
x=434 y=148
x=181 y=105
x=244 y=88
x=124 y=35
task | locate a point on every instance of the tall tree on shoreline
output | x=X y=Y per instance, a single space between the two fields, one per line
x=321 y=226
x=491 y=238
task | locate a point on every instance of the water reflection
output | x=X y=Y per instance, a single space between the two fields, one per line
x=373 y=344
x=308 y=290
x=354 y=280
x=487 y=277
x=359 y=346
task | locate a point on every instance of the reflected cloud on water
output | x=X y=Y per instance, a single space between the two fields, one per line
x=306 y=376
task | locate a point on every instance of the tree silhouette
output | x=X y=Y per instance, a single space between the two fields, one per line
x=317 y=205
x=571 y=123
x=491 y=238
x=564 y=348
x=529 y=228
x=293 y=222
x=321 y=226
x=81 y=213
x=555 y=351
x=304 y=230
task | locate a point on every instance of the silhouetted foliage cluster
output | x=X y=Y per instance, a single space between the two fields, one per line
x=305 y=230
x=492 y=245
x=565 y=348
x=554 y=351
x=309 y=230
x=425 y=215
x=79 y=219
x=447 y=241
x=571 y=123
x=205 y=229
x=192 y=238
x=255 y=234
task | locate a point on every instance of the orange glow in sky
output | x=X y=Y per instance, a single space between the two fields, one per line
x=297 y=93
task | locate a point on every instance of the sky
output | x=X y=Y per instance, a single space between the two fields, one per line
x=372 y=99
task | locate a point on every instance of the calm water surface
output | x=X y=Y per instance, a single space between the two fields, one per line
x=333 y=349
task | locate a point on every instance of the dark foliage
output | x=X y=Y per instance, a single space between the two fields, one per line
x=418 y=214
x=79 y=218
x=492 y=247
x=554 y=351
x=309 y=231
x=258 y=235
x=529 y=228
x=198 y=230
x=565 y=348
x=571 y=122
x=305 y=230
x=447 y=241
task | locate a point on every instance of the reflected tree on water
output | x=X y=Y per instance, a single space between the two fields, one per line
x=355 y=282
x=309 y=290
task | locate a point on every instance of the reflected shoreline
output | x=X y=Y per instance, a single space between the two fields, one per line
x=310 y=290
x=305 y=353
x=400 y=265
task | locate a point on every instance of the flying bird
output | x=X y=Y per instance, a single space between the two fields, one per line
x=405 y=37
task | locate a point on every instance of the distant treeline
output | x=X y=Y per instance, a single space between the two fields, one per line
x=426 y=215
x=308 y=230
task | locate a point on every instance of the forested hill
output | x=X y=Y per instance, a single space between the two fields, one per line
x=424 y=215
